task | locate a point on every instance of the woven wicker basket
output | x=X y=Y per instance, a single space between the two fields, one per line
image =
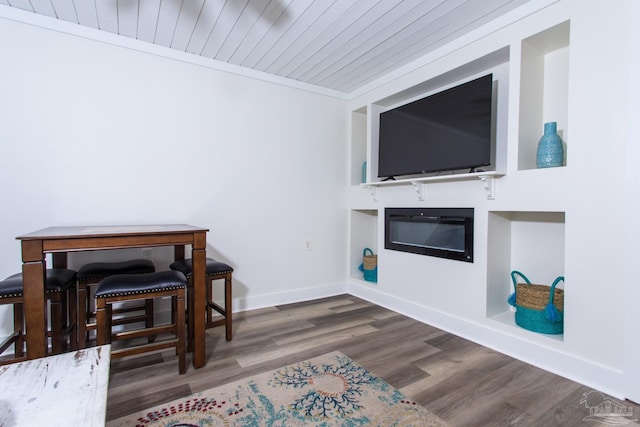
x=369 y=261
x=536 y=297
x=539 y=308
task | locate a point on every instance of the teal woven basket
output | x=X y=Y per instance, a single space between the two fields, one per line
x=539 y=308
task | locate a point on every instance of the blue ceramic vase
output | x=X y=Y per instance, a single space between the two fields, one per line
x=550 y=150
x=364 y=172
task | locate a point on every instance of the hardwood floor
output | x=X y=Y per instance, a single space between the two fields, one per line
x=462 y=382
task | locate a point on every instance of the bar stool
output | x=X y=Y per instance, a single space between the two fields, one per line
x=60 y=293
x=132 y=287
x=214 y=270
x=89 y=275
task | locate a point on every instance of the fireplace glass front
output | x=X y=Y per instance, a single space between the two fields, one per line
x=439 y=232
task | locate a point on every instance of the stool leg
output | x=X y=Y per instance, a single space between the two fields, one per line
x=91 y=320
x=209 y=293
x=148 y=311
x=82 y=304
x=102 y=326
x=64 y=312
x=228 y=312
x=73 y=318
x=18 y=326
x=149 y=320
x=174 y=315
x=180 y=309
x=109 y=322
x=56 y=322
x=190 y=313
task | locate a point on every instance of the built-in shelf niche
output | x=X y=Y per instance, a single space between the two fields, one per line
x=364 y=234
x=529 y=242
x=365 y=120
x=358 y=144
x=544 y=90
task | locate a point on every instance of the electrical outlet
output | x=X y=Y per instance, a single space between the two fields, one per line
x=307 y=245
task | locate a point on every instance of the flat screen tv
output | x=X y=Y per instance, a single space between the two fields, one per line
x=445 y=131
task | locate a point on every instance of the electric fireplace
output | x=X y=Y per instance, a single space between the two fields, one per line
x=439 y=232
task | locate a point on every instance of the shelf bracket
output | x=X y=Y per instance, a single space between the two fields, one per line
x=373 y=190
x=489 y=183
x=418 y=187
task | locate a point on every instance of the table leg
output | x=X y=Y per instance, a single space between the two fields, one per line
x=33 y=277
x=179 y=255
x=178 y=252
x=198 y=257
x=59 y=259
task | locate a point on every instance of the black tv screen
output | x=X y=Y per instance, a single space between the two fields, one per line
x=445 y=131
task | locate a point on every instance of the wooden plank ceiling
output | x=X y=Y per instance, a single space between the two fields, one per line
x=340 y=45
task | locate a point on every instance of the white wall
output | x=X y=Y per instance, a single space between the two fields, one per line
x=93 y=133
x=590 y=194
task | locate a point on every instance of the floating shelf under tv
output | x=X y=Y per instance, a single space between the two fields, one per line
x=487 y=178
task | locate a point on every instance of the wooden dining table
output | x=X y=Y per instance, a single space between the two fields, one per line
x=59 y=241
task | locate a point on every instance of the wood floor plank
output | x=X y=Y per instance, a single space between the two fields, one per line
x=542 y=392
x=570 y=411
x=450 y=372
x=295 y=336
x=147 y=400
x=321 y=341
x=331 y=318
x=478 y=397
x=492 y=414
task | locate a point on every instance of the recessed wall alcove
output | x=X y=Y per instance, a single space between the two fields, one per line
x=364 y=234
x=543 y=90
x=530 y=242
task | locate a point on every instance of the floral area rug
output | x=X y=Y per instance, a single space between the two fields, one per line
x=329 y=390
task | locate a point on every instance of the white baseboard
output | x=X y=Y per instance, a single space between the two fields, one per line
x=287 y=297
x=255 y=302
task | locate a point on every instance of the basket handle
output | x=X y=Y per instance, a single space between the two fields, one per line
x=512 y=297
x=364 y=252
x=553 y=287
x=513 y=277
x=550 y=312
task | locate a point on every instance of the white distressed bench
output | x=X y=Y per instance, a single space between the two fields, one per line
x=68 y=389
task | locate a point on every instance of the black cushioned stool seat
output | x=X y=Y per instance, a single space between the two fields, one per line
x=214 y=270
x=90 y=275
x=127 y=287
x=100 y=270
x=60 y=293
